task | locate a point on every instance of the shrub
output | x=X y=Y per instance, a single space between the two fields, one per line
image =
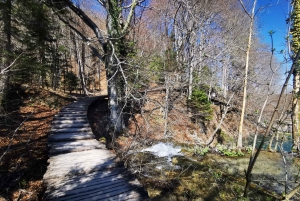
x=200 y=105
x=71 y=81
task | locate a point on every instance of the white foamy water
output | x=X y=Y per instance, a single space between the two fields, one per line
x=164 y=150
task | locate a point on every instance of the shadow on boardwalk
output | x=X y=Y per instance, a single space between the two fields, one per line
x=81 y=168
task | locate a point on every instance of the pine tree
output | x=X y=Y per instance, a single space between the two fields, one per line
x=30 y=34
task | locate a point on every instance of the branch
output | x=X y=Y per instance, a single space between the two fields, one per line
x=244 y=8
x=94 y=50
x=15 y=131
x=102 y=2
x=88 y=21
x=130 y=15
x=254 y=158
x=292 y=193
x=5 y=70
x=220 y=123
x=252 y=14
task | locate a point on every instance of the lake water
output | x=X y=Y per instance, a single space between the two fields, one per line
x=284 y=140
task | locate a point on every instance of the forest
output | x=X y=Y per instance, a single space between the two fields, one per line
x=193 y=75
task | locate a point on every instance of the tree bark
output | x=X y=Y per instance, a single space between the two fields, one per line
x=7 y=32
x=295 y=110
x=240 y=131
x=80 y=62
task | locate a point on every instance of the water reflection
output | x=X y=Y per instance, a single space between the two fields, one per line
x=168 y=174
x=284 y=140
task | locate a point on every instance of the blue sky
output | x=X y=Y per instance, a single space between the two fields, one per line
x=274 y=18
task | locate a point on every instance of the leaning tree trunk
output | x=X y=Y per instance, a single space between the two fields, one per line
x=295 y=110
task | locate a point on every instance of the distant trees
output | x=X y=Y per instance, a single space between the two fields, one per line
x=28 y=43
x=113 y=42
x=184 y=45
x=208 y=43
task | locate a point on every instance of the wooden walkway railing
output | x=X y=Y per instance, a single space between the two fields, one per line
x=80 y=167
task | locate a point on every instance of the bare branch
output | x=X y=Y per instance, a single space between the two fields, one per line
x=245 y=9
x=5 y=70
x=88 y=22
x=15 y=131
x=102 y=2
x=94 y=50
x=130 y=15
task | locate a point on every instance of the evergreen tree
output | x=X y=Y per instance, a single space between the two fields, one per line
x=31 y=34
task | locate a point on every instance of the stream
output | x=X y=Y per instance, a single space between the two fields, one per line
x=170 y=172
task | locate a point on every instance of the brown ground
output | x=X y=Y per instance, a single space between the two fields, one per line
x=23 y=166
x=147 y=127
x=23 y=144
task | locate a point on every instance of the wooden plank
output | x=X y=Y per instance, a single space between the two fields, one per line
x=79 y=163
x=69 y=130
x=87 y=187
x=79 y=107
x=73 y=112
x=102 y=176
x=103 y=193
x=77 y=157
x=74 y=146
x=70 y=136
x=70 y=118
x=69 y=125
x=65 y=114
x=89 y=132
x=83 y=116
x=70 y=121
x=80 y=167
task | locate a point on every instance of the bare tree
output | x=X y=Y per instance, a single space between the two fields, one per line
x=251 y=16
x=267 y=132
x=119 y=15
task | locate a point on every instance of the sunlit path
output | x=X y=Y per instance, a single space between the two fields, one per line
x=80 y=167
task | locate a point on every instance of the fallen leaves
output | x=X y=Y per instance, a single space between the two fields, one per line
x=23 y=166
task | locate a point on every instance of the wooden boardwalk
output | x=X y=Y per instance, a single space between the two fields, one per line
x=80 y=167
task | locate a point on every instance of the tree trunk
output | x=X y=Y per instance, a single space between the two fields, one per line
x=114 y=91
x=295 y=110
x=267 y=132
x=80 y=63
x=7 y=32
x=167 y=79
x=240 y=132
x=117 y=30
